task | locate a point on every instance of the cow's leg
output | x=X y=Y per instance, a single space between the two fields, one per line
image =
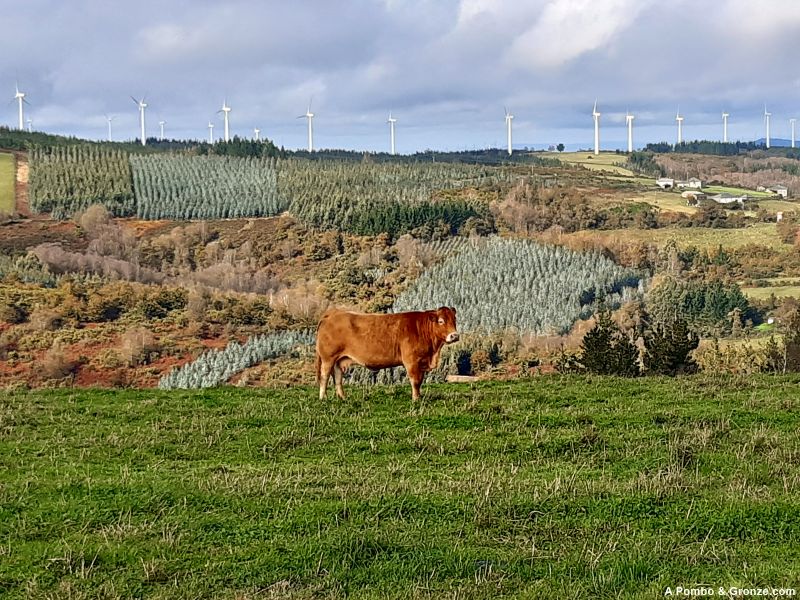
x=415 y=374
x=338 y=373
x=324 y=374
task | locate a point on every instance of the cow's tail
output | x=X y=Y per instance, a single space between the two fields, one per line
x=319 y=367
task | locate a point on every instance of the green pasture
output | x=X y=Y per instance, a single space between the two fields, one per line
x=7 y=179
x=667 y=201
x=718 y=189
x=779 y=205
x=780 y=291
x=764 y=234
x=554 y=487
x=605 y=161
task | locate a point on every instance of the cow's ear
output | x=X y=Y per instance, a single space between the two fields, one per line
x=453 y=309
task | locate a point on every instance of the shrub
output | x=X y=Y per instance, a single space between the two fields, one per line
x=56 y=365
x=138 y=346
x=110 y=303
x=11 y=312
x=46 y=319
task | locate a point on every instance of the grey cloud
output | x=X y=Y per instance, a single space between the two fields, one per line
x=445 y=68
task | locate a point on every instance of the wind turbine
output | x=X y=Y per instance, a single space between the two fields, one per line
x=391 y=121
x=142 y=105
x=310 y=116
x=725 y=127
x=629 y=121
x=225 y=110
x=20 y=97
x=30 y=125
x=509 y=118
x=679 y=120
x=210 y=132
x=792 y=122
x=161 y=126
x=596 y=117
x=257 y=131
x=767 y=115
x=109 y=119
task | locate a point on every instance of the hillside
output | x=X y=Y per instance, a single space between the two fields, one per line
x=136 y=261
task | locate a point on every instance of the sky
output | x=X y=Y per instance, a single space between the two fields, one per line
x=446 y=69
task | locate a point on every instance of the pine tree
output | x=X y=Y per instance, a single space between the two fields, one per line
x=605 y=350
x=668 y=347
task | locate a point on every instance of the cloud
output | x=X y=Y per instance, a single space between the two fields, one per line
x=445 y=68
x=566 y=29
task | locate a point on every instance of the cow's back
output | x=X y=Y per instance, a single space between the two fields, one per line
x=372 y=340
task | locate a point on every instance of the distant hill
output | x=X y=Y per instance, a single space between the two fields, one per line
x=774 y=142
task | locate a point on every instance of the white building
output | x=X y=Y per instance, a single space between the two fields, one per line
x=779 y=190
x=665 y=183
x=726 y=198
x=692 y=183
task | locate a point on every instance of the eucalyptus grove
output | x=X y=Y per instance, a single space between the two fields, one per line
x=217 y=366
x=182 y=187
x=64 y=180
x=501 y=284
x=369 y=198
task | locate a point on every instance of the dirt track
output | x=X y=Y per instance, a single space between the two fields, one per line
x=21 y=185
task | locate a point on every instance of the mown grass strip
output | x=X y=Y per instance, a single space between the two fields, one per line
x=7 y=178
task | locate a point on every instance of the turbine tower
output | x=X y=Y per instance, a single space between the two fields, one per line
x=509 y=119
x=142 y=105
x=725 y=127
x=20 y=97
x=792 y=122
x=210 y=132
x=679 y=120
x=629 y=121
x=30 y=125
x=109 y=119
x=161 y=126
x=767 y=115
x=596 y=117
x=225 y=110
x=391 y=121
x=310 y=116
x=257 y=132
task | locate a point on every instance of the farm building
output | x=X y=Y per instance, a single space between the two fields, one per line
x=691 y=183
x=693 y=197
x=779 y=190
x=726 y=198
x=665 y=183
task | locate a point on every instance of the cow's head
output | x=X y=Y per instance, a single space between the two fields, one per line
x=444 y=324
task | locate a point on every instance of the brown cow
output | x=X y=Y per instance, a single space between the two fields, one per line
x=376 y=341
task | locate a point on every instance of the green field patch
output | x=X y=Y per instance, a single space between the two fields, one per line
x=7 y=179
x=763 y=234
x=719 y=189
x=609 y=162
x=779 y=291
x=549 y=487
x=785 y=206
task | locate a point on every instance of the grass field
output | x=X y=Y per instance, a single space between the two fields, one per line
x=557 y=487
x=780 y=291
x=764 y=234
x=7 y=175
x=776 y=205
x=667 y=201
x=606 y=161
x=718 y=189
